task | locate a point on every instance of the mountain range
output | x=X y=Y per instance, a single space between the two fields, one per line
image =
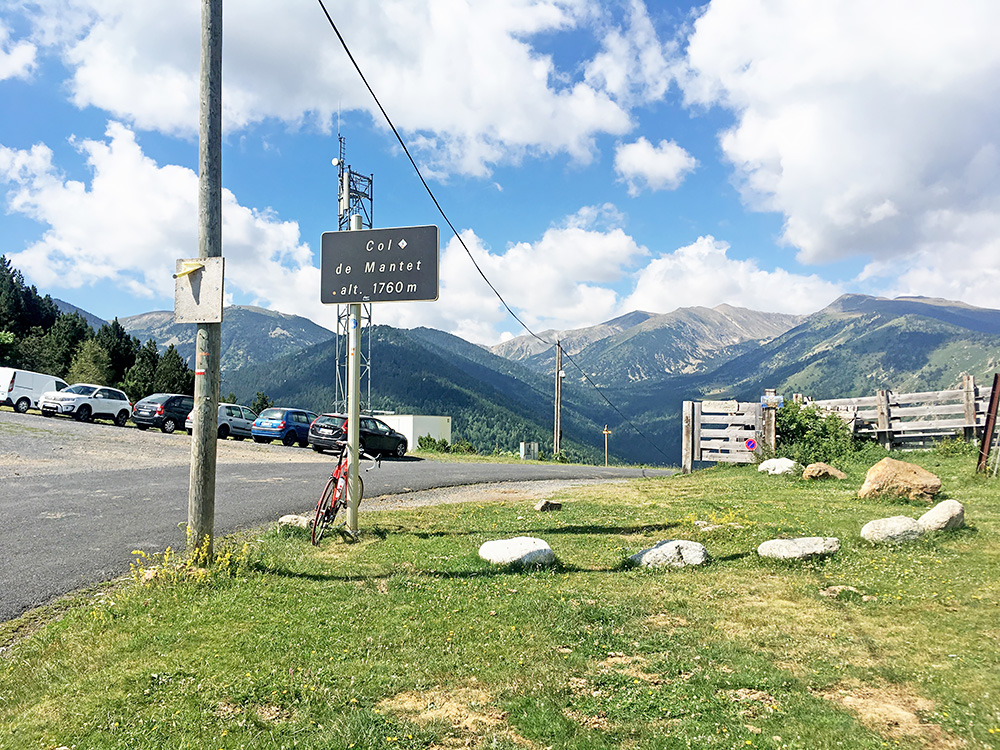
x=630 y=374
x=250 y=334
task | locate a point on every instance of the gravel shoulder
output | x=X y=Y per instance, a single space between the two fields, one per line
x=32 y=445
x=36 y=446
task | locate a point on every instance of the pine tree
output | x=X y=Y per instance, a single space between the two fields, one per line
x=261 y=402
x=121 y=348
x=90 y=365
x=138 y=381
x=52 y=351
x=21 y=307
x=8 y=348
x=172 y=374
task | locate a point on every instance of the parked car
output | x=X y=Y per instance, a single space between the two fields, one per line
x=167 y=411
x=21 y=389
x=287 y=425
x=375 y=437
x=234 y=420
x=86 y=401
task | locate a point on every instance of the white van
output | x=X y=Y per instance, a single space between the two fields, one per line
x=22 y=388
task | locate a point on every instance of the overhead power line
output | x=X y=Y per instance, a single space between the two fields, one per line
x=420 y=176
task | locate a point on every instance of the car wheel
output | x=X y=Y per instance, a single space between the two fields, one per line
x=191 y=431
x=121 y=419
x=223 y=431
x=238 y=437
x=169 y=426
x=304 y=443
x=289 y=438
x=83 y=414
x=49 y=414
x=259 y=439
x=22 y=405
x=401 y=449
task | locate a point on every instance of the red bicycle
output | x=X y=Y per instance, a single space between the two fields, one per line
x=333 y=499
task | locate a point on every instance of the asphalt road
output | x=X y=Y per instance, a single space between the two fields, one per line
x=76 y=499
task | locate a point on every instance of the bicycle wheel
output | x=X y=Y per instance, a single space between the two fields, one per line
x=324 y=511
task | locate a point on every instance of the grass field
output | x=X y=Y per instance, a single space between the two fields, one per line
x=407 y=639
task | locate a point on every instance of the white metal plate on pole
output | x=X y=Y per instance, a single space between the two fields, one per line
x=198 y=290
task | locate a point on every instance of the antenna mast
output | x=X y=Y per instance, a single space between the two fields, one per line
x=354 y=198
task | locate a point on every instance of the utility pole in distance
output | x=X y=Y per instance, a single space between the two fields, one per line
x=557 y=431
x=201 y=497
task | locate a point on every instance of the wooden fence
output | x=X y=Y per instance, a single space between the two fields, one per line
x=719 y=430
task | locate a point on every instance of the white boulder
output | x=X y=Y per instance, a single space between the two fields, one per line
x=948 y=514
x=800 y=548
x=524 y=551
x=301 y=522
x=894 y=530
x=671 y=553
x=777 y=466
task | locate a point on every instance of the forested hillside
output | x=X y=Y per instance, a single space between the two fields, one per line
x=493 y=403
x=35 y=335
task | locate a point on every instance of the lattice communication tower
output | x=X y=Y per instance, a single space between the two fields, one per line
x=354 y=196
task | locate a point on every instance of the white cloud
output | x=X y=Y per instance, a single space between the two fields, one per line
x=703 y=274
x=960 y=267
x=660 y=167
x=870 y=126
x=633 y=64
x=136 y=217
x=563 y=280
x=460 y=77
x=17 y=59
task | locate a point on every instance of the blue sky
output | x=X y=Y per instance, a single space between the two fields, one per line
x=598 y=157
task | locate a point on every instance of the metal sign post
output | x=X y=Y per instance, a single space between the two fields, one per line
x=372 y=265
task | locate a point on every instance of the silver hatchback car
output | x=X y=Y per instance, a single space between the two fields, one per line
x=234 y=421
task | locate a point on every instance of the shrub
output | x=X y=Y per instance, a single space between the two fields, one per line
x=806 y=435
x=956 y=446
x=463 y=446
x=435 y=445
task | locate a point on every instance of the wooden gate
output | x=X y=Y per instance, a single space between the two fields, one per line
x=726 y=431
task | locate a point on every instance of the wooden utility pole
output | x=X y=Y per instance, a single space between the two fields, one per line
x=606 y=433
x=201 y=496
x=990 y=425
x=557 y=431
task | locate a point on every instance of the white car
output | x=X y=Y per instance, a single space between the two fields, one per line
x=85 y=402
x=234 y=420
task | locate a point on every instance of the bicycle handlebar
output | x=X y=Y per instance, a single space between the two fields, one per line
x=376 y=461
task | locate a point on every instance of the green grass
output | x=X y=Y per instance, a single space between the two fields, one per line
x=407 y=639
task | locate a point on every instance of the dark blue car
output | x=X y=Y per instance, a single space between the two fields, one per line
x=290 y=426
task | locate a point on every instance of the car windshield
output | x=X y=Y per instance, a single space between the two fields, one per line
x=328 y=419
x=272 y=414
x=83 y=390
x=159 y=398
